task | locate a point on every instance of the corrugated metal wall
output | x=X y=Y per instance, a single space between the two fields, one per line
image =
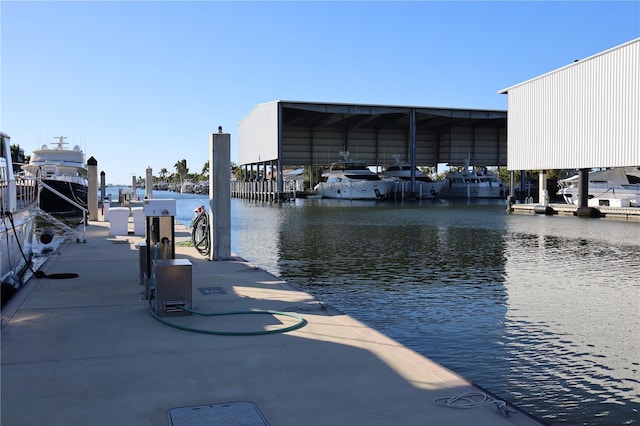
x=322 y=146
x=320 y=141
x=584 y=115
x=258 y=132
x=483 y=145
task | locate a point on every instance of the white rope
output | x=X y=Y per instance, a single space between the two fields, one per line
x=472 y=400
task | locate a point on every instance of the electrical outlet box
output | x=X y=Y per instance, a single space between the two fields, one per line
x=173 y=287
x=159 y=207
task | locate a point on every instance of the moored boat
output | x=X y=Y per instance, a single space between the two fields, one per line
x=63 y=174
x=353 y=180
x=470 y=182
x=615 y=187
x=425 y=186
x=18 y=210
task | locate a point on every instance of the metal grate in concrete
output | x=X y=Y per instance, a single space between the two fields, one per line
x=206 y=291
x=242 y=413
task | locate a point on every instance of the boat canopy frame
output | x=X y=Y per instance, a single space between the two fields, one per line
x=291 y=134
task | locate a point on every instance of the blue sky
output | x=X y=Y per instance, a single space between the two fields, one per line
x=140 y=84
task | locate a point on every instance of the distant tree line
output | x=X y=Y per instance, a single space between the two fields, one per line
x=17 y=157
x=182 y=174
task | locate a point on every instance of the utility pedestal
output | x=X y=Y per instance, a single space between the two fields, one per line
x=160 y=231
x=173 y=289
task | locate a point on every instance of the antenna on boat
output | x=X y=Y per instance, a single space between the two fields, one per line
x=345 y=155
x=61 y=141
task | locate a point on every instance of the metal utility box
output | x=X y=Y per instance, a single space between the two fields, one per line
x=172 y=287
x=160 y=231
x=159 y=207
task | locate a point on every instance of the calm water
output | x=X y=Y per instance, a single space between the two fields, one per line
x=542 y=311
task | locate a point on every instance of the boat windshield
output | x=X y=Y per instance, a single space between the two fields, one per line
x=350 y=165
x=363 y=177
x=399 y=168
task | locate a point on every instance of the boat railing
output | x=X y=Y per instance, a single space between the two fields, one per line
x=5 y=197
x=26 y=191
x=23 y=190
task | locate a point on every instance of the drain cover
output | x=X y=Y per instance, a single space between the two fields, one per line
x=243 y=413
x=205 y=291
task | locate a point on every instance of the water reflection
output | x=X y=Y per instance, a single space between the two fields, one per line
x=542 y=311
x=574 y=309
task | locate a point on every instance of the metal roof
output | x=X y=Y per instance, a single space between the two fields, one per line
x=576 y=63
x=296 y=133
x=351 y=117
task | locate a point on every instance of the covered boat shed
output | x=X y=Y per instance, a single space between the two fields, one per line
x=292 y=134
x=584 y=115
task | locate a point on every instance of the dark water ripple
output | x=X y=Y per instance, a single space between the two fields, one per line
x=443 y=288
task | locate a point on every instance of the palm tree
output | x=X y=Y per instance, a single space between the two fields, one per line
x=181 y=168
x=163 y=173
x=205 y=169
x=17 y=154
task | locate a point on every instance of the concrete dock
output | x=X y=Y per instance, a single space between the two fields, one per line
x=87 y=351
x=631 y=214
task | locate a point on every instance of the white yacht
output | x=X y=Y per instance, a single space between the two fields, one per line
x=616 y=187
x=425 y=186
x=63 y=173
x=18 y=210
x=470 y=182
x=353 y=180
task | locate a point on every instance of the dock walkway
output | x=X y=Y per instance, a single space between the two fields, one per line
x=86 y=351
x=631 y=214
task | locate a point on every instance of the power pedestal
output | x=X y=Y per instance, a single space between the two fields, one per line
x=160 y=233
x=173 y=289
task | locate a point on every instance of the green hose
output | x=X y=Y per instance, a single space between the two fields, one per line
x=301 y=322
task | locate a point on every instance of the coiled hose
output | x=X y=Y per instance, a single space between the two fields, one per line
x=301 y=322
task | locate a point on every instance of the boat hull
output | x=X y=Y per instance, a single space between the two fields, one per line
x=604 y=195
x=481 y=183
x=56 y=205
x=16 y=239
x=471 y=190
x=18 y=211
x=424 y=190
x=355 y=190
x=617 y=186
